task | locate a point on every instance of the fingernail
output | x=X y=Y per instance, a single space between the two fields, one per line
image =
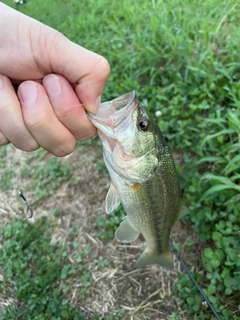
x=94 y=108
x=98 y=101
x=28 y=92
x=52 y=85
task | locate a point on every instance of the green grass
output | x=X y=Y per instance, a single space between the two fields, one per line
x=182 y=58
x=48 y=177
x=38 y=273
x=6 y=172
x=106 y=226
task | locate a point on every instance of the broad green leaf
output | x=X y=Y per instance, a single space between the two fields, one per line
x=231 y=166
x=223 y=180
x=217 y=188
x=215 y=135
x=211 y=159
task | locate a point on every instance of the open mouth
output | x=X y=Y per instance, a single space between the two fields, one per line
x=113 y=113
x=114 y=118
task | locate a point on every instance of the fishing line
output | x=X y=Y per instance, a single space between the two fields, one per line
x=174 y=250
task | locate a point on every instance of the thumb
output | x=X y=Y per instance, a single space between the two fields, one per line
x=84 y=69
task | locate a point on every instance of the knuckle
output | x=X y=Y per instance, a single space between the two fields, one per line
x=64 y=149
x=85 y=136
x=33 y=123
x=64 y=114
x=29 y=147
x=3 y=140
x=103 y=67
x=25 y=142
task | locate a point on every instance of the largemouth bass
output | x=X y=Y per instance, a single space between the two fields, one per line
x=143 y=175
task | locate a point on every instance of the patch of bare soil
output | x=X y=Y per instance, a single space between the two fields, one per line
x=145 y=293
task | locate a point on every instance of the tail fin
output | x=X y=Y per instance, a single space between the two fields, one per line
x=164 y=259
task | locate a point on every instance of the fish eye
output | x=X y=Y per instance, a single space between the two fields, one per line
x=143 y=124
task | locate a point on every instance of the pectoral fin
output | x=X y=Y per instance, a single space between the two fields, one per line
x=112 y=200
x=126 y=232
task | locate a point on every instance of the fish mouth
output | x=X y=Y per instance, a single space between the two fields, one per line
x=114 y=117
x=113 y=113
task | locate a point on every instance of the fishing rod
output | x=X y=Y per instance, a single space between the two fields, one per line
x=175 y=252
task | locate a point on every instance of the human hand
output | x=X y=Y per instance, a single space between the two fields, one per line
x=56 y=79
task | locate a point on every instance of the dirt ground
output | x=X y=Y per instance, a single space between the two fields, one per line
x=145 y=293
